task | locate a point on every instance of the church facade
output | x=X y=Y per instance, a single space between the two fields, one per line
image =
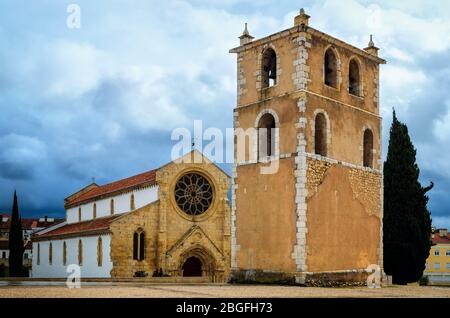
x=311 y=104
x=172 y=221
x=320 y=214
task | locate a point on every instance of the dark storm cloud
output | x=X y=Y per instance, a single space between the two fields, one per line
x=15 y=171
x=101 y=101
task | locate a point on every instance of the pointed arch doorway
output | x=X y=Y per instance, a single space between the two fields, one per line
x=192 y=267
x=197 y=262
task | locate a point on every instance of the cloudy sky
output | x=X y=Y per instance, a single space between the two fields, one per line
x=101 y=101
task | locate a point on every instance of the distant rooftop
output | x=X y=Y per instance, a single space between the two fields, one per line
x=28 y=223
x=440 y=236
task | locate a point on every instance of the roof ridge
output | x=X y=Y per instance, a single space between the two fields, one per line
x=115 y=186
x=77 y=228
x=123 y=179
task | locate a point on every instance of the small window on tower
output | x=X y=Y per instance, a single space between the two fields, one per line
x=368 y=149
x=94 y=211
x=266 y=138
x=269 y=68
x=330 y=68
x=320 y=135
x=354 y=81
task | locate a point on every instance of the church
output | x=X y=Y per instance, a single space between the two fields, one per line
x=319 y=217
x=171 y=221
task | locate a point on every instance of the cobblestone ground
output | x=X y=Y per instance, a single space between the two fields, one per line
x=216 y=291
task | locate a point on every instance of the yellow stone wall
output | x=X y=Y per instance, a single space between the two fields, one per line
x=265 y=212
x=343 y=217
x=443 y=259
x=172 y=235
x=315 y=213
x=122 y=229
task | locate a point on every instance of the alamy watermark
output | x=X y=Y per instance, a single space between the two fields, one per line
x=74 y=277
x=237 y=145
x=374 y=278
x=73 y=20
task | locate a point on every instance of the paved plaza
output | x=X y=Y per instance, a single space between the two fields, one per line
x=121 y=290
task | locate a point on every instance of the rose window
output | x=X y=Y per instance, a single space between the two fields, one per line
x=193 y=194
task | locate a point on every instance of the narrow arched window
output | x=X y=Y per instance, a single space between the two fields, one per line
x=135 y=245
x=139 y=245
x=64 y=253
x=354 y=80
x=94 y=211
x=368 y=149
x=266 y=136
x=330 y=68
x=99 y=252
x=80 y=252
x=269 y=68
x=111 y=206
x=50 y=253
x=38 y=254
x=132 y=205
x=320 y=135
x=79 y=214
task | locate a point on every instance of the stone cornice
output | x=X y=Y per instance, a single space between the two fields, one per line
x=307 y=92
x=312 y=31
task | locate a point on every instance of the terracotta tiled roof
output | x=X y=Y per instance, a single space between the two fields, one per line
x=80 y=228
x=148 y=177
x=441 y=239
x=28 y=223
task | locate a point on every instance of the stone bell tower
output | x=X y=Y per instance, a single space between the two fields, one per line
x=319 y=214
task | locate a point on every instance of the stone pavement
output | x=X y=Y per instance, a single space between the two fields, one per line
x=121 y=290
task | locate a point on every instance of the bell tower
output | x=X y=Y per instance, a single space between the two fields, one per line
x=318 y=209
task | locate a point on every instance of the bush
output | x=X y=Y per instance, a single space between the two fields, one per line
x=424 y=281
x=140 y=274
x=2 y=270
x=160 y=273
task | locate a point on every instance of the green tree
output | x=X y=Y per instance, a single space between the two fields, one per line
x=16 y=247
x=407 y=221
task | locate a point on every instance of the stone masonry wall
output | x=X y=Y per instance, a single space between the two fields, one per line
x=344 y=213
x=145 y=218
x=174 y=225
x=171 y=236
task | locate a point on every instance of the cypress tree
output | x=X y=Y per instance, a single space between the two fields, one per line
x=407 y=221
x=16 y=247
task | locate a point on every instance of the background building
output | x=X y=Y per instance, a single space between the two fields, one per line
x=438 y=263
x=29 y=226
